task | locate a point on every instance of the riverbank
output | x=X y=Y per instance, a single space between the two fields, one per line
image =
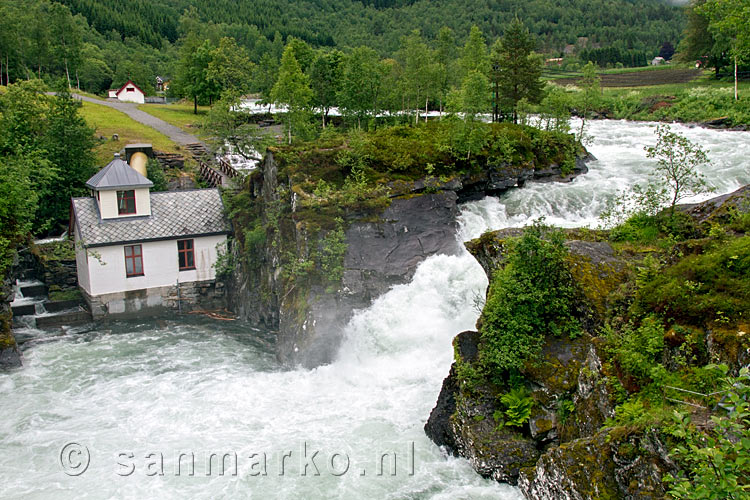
x=704 y=101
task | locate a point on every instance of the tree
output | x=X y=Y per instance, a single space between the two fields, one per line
x=230 y=130
x=265 y=73
x=155 y=173
x=666 y=51
x=554 y=110
x=303 y=53
x=68 y=39
x=292 y=88
x=361 y=83
x=728 y=20
x=23 y=140
x=698 y=43
x=230 y=67
x=474 y=54
x=18 y=204
x=69 y=144
x=325 y=80
x=530 y=297
x=192 y=72
x=590 y=85
x=420 y=72
x=677 y=163
x=516 y=70
x=445 y=55
x=471 y=100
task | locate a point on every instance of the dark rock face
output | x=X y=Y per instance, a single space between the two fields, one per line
x=10 y=357
x=463 y=423
x=379 y=255
x=720 y=207
x=381 y=252
x=438 y=426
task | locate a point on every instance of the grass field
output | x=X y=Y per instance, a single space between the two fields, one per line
x=108 y=121
x=178 y=114
x=637 y=77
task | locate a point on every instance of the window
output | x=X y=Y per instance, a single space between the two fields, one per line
x=126 y=202
x=133 y=261
x=130 y=89
x=185 y=254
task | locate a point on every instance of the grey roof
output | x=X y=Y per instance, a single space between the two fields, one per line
x=117 y=174
x=174 y=214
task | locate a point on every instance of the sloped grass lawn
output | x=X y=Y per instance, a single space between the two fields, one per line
x=179 y=114
x=108 y=121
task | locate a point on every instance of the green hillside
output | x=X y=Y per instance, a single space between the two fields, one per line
x=629 y=24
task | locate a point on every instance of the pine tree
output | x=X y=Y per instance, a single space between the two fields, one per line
x=516 y=71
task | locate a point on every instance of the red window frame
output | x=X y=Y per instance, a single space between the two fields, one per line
x=123 y=202
x=186 y=254
x=134 y=261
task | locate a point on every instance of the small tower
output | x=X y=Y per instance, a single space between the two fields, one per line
x=120 y=191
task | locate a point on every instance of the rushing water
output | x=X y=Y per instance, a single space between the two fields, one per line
x=151 y=391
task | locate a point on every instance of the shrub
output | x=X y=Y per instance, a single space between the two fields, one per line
x=636 y=350
x=531 y=296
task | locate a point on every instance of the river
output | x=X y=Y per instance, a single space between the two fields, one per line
x=119 y=411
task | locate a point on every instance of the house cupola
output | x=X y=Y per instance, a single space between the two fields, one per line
x=120 y=191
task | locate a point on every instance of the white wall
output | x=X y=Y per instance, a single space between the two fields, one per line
x=82 y=267
x=108 y=204
x=113 y=93
x=160 y=266
x=134 y=96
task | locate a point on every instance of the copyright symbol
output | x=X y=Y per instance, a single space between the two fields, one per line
x=74 y=459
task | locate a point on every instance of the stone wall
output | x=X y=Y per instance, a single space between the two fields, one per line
x=9 y=354
x=185 y=297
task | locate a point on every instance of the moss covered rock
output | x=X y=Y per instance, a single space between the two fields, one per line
x=611 y=464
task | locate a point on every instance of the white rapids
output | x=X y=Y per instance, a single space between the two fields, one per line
x=128 y=398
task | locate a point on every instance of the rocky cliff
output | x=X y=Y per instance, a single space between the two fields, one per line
x=561 y=451
x=280 y=284
x=573 y=444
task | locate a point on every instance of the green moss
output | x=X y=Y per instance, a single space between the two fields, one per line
x=596 y=281
x=6 y=334
x=61 y=295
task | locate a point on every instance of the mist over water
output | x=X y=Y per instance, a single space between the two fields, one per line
x=197 y=386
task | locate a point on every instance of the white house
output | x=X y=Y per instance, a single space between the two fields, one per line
x=137 y=250
x=130 y=92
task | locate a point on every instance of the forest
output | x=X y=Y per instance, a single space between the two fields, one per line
x=98 y=45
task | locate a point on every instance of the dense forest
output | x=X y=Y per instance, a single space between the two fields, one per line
x=98 y=44
x=379 y=24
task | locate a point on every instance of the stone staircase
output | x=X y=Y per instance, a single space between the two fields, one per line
x=33 y=311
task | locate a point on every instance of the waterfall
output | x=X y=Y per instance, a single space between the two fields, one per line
x=135 y=394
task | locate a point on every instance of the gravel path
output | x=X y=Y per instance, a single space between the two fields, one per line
x=131 y=109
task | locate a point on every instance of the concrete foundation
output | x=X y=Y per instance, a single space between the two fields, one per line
x=185 y=297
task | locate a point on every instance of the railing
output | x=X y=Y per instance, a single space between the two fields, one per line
x=210 y=175
x=227 y=168
x=706 y=398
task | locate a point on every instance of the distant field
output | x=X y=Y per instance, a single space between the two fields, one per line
x=108 y=121
x=178 y=114
x=641 y=78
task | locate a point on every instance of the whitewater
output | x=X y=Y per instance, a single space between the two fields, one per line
x=132 y=401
